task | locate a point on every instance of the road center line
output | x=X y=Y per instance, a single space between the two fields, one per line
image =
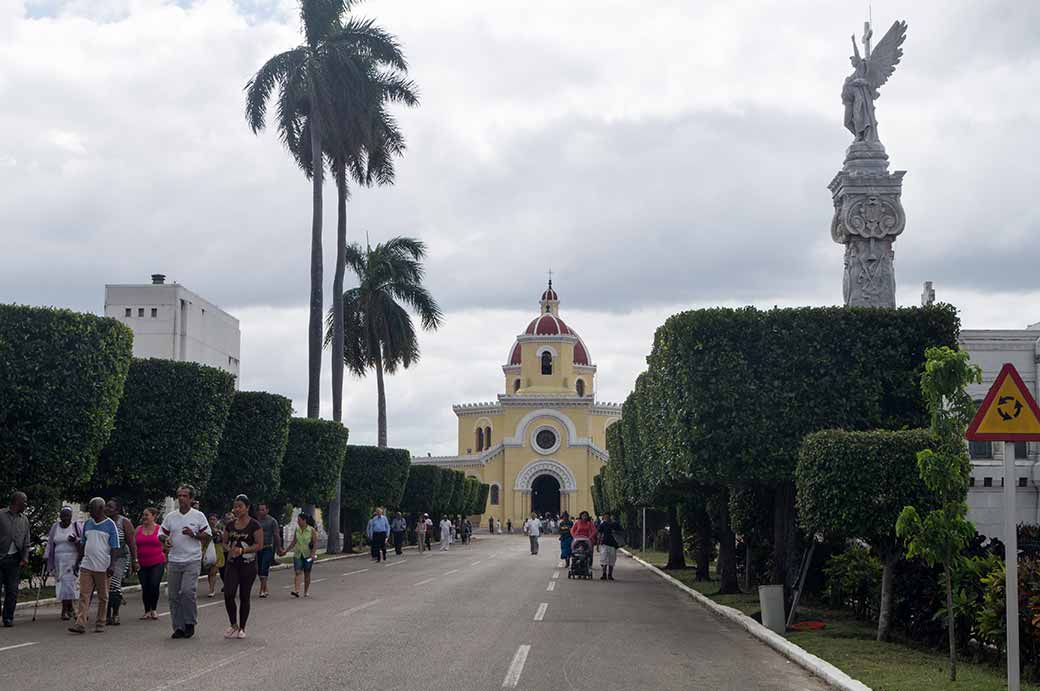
x=318 y=580
x=207 y=670
x=352 y=610
x=351 y=573
x=20 y=645
x=208 y=604
x=556 y=574
x=428 y=580
x=551 y=586
x=516 y=668
x=540 y=614
x=395 y=563
x=448 y=573
x=475 y=563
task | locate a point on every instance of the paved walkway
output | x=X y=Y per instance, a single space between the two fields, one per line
x=482 y=616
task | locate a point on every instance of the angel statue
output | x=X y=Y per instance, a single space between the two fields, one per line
x=871 y=72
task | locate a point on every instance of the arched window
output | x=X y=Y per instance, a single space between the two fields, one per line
x=547 y=362
x=487 y=437
x=516 y=385
x=493 y=494
x=580 y=387
x=480 y=439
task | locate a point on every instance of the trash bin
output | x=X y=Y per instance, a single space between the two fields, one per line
x=771 y=600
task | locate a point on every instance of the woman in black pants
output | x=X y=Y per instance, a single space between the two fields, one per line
x=150 y=555
x=243 y=538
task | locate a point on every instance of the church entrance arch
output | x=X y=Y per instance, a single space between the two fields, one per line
x=545 y=495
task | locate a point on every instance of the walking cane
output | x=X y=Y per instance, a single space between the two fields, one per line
x=43 y=579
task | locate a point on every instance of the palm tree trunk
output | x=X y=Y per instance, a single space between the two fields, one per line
x=314 y=327
x=381 y=403
x=337 y=338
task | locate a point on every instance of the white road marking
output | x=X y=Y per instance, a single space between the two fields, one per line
x=208 y=670
x=540 y=614
x=428 y=580
x=208 y=604
x=318 y=580
x=352 y=610
x=551 y=586
x=395 y=563
x=561 y=564
x=448 y=573
x=20 y=645
x=351 y=573
x=475 y=563
x=516 y=668
x=556 y=574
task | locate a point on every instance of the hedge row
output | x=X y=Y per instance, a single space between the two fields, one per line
x=374 y=476
x=313 y=459
x=434 y=490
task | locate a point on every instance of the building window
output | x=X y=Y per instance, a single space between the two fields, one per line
x=516 y=385
x=155 y=312
x=987 y=482
x=494 y=495
x=1021 y=450
x=579 y=386
x=971 y=481
x=480 y=439
x=128 y=312
x=140 y=311
x=979 y=450
x=545 y=439
x=547 y=362
x=487 y=437
x=1021 y=482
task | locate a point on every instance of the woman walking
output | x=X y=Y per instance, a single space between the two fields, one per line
x=303 y=548
x=244 y=537
x=123 y=564
x=61 y=555
x=152 y=561
x=213 y=561
x=565 y=538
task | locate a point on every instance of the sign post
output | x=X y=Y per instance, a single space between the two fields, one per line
x=1008 y=414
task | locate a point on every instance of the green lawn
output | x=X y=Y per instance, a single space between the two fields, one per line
x=849 y=645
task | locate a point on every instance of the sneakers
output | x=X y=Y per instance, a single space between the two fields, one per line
x=241 y=634
x=231 y=632
x=78 y=628
x=189 y=630
x=294 y=594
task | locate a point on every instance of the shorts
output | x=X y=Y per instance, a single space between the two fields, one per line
x=607 y=555
x=264 y=559
x=302 y=564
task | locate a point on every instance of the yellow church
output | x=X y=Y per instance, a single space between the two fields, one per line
x=540 y=445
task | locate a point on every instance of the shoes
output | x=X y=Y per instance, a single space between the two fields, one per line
x=8 y=623
x=99 y=628
x=210 y=594
x=65 y=616
x=179 y=633
x=146 y=616
x=603 y=577
x=114 y=621
x=78 y=628
x=231 y=632
x=241 y=634
x=189 y=630
x=294 y=594
x=610 y=578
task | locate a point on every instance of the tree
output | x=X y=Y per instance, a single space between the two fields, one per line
x=422 y=489
x=854 y=485
x=255 y=436
x=313 y=461
x=378 y=331
x=940 y=535
x=482 y=498
x=374 y=476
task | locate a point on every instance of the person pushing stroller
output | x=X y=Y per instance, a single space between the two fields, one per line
x=583 y=533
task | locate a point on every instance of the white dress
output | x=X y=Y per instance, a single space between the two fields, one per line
x=65 y=555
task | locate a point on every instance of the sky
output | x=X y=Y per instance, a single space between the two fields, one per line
x=657 y=158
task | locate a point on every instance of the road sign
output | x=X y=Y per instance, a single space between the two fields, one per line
x=1008 y=413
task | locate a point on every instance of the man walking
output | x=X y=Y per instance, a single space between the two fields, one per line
x=608 y=546
x=186 y=533
x=272 y=544
x=97 y=549
x=533 y=528
x=420 y=533
x=445 y=526
x=397 y=529
x=377 y=530
x=14 y=552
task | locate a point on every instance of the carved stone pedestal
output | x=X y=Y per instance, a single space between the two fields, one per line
x=868 y=216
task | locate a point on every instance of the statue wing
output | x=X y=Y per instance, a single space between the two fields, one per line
x=885 y=57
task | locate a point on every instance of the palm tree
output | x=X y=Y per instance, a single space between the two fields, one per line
x=307 y=79
x=378 y=332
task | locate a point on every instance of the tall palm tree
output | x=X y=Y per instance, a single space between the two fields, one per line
x=307 y=79
x=378 y=332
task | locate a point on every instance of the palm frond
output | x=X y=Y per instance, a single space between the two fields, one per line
x=278 y=70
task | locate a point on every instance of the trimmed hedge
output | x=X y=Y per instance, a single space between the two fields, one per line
x=313 y=459
x=471 y=493
x=457 y=504
x=61 y=378
x=482 y=499
x=442 y=502
x=374 y=476
x=422 y=489
x=167 y=432
x=249 y=459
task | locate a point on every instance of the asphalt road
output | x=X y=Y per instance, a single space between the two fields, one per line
x=484 y=616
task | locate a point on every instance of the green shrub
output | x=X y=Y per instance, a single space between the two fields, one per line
x=167 y=432
x=482 y=499
x=471 y=493
x=422 y=489
x=854 y=581
x=445 y=490
x=457 y=504
x=61 y=377
x=374 y=476
x=313 y=459
x=249 y=459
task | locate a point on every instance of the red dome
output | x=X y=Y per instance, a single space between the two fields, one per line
x=514 y=357
x=550 y=294
x=548 y=325
x=581 y=354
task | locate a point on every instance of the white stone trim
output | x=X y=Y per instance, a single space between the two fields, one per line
x=482 y=408
x=571 y=431
x=549 y=349
x=534 y=443
x=545 y=466
x=555 y=338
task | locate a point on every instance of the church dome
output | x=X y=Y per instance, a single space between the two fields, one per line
x=550 y=324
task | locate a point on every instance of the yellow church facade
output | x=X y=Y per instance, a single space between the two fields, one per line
x=540 y=445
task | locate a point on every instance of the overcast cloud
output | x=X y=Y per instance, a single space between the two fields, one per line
x=659 y=157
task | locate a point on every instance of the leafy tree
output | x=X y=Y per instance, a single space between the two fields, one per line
x=855 y=485
x=167 y=432
x=313 y=461
x=374 y=476
x=457 y=504
x=422 y=489
x=255 y=436
x=482 y=498
x=939 y=536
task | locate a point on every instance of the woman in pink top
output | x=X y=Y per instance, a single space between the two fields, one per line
x=150 y=557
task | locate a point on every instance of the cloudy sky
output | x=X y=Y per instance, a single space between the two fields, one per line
x=659 y=157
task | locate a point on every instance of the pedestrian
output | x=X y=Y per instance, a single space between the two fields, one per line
x=61 y=556
x=445 y=533
x=398 y=527
x=272 y=544
x=124 y=564
x=509 y=526
x=429 y=530
x=376 y=531
x=244 y=537
x=213 y=559
x=152 y=561
x=608 y=546
x=185 y=532
x=467 y=531
x=491 y=525
x=565 y=538
x=303 y=546
x=14 y=548
x=533 y=528
x=98 y=547
x=420 y=534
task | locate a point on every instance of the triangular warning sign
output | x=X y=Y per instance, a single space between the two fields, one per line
x=1008 y=413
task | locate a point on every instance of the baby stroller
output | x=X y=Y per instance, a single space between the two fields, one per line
x=581 y=559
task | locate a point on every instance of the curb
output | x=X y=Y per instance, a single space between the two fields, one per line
x=814 y=665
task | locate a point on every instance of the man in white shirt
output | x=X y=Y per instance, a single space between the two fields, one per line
x=533 y=528
x=185 y=534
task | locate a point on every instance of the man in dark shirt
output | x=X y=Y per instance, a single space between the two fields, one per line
x=272 y=544
x=608 y=546
x=14 y=551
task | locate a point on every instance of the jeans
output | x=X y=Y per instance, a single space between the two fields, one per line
x=398 y=541
x=420 y=542
x=88 y=582
x=150 y=577
x=378 y=545
x=9 y=577
x=240 y=576
x=534 y=544
x=264 y=559
x=181 y=584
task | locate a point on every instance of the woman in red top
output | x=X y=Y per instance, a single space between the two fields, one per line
x=583 y=528
x=151 y=559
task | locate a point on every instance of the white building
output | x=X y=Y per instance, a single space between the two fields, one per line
x=171 y=322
